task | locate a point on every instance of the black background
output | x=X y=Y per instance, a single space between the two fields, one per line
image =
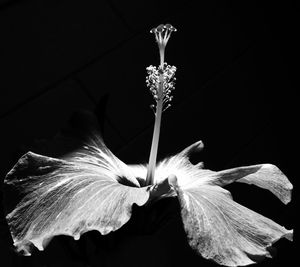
x=235 y=91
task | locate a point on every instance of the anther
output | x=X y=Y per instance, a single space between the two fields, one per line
x=169 y=105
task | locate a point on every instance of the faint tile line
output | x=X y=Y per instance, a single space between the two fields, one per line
x=119 y=14
x=9 y=4
x=70 y=75
x=86 y=91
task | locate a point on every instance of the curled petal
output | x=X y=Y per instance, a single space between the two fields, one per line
x=195 y=147
x=224 y=231
x=266 y=176
x=188 y=174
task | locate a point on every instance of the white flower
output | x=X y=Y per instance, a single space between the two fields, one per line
x=91 y=189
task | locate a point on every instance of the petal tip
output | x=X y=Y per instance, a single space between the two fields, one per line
x=289 y=235
x=195 y=147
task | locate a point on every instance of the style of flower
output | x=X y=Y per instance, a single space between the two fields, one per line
x=162 y=36
x=91 y=189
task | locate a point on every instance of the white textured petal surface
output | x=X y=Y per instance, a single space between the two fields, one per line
x=224 y=231
x=88 y=190
x=217 y=227
x=266 y=176
x=188 y=175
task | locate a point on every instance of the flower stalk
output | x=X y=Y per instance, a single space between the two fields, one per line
x=161 y=82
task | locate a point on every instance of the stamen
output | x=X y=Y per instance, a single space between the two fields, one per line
x=165 y=108
x=163 y=92
x=153 y=108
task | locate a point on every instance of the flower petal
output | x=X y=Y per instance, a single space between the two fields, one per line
x=266 y=176
x=224 y=231
x=88 y=190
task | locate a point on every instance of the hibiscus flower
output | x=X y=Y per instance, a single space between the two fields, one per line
x=91 y=189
